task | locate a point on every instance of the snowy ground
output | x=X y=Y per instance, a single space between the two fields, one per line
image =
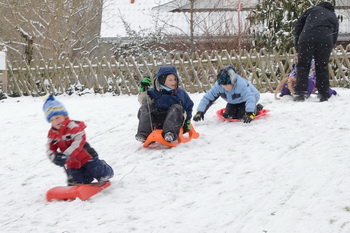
x=287 y=173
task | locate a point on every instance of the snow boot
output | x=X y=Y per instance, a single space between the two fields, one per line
x=169 y=136
x=140 y=138
x=300 y=96
x=324 y=97
x=259 y=107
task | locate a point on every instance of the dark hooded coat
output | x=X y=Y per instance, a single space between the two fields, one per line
x=163 y=107
x=317 y=24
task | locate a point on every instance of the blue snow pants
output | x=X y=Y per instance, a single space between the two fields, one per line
x=94 y=169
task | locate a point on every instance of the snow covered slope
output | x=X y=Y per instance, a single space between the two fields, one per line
x=287 y=173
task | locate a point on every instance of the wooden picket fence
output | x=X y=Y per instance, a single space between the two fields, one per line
x=197 y=72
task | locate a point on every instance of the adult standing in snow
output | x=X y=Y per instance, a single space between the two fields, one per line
x=316 y=33
x=241 y=97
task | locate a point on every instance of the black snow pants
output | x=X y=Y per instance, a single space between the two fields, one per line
x=236 y=111
x=321 y=52
x=151 y=118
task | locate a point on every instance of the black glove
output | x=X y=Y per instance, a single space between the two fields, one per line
x=145 y=83
x=187 y=126
x=248 y=117
x=59 y=159
x=199 y=116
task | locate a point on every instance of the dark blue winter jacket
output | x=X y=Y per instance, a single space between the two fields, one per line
x=164 y=99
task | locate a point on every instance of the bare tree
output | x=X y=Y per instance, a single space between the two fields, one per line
x=44 y=29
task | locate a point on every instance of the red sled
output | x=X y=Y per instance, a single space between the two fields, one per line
x=83 y=191
x=156 y=136
x=219 y=113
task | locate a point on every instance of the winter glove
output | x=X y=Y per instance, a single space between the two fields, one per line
x=248 y=117
x=199 y=116
x=145 y=83
x=59 y=159
x=187 y=126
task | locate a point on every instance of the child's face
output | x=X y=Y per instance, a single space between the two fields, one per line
x=227 y=87
x=56 y=121
x=171 y=81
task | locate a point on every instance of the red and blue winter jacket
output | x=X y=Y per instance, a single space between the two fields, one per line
x=70 y=139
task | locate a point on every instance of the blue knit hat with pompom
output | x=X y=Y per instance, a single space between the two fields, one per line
x=52 y=107
x=227 y=75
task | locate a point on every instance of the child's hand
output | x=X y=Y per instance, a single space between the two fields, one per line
x=145 y=83
x=59 y=159
x=248 y=117
x=187 y=126
x=199 y=116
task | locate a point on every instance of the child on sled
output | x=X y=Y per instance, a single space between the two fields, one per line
x=241 y=96
x=67 y=147
x=287 y=85
x=165 y=106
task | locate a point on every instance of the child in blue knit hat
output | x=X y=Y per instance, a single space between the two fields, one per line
x=67 y=147
x=241 y=96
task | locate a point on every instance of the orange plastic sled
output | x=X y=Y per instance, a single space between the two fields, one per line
x=156 y=136
x=83 y=191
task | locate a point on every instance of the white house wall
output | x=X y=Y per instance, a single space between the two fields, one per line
x=138 y=15
x=141 y=16
x=344 y=26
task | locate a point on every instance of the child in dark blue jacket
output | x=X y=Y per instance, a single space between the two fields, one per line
x=165 y=106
